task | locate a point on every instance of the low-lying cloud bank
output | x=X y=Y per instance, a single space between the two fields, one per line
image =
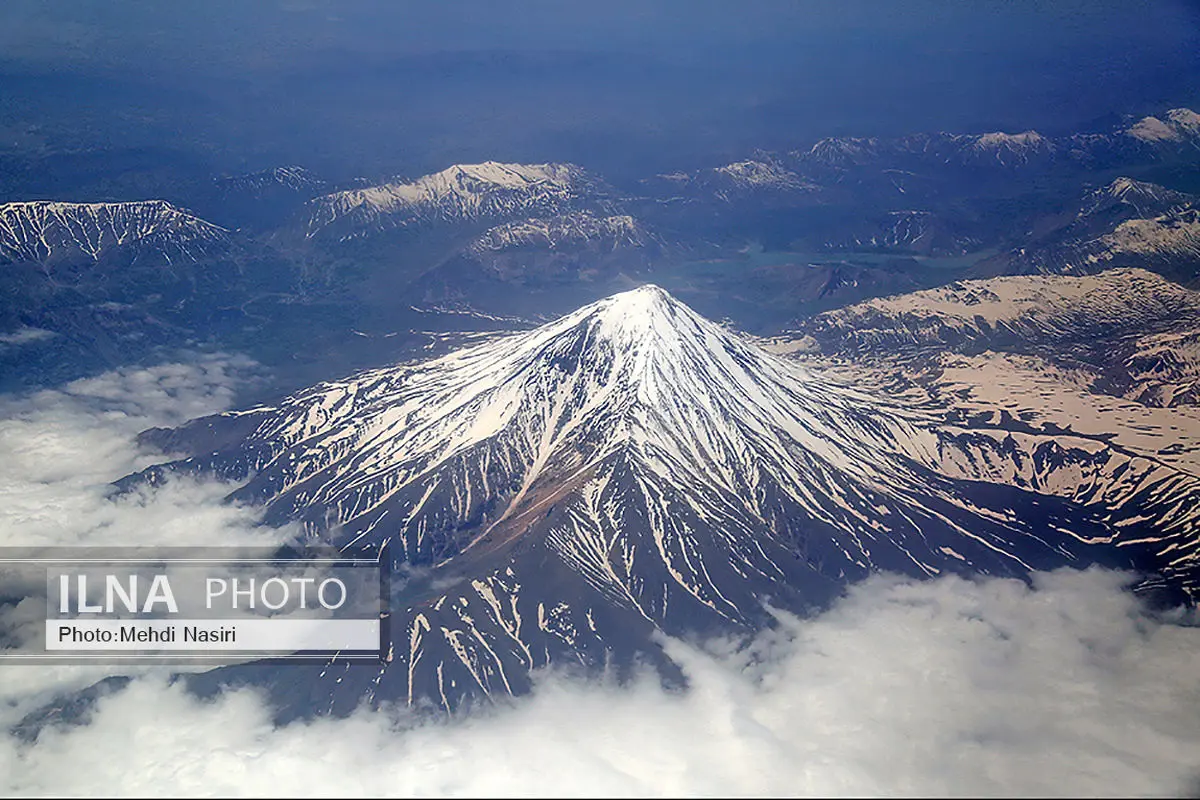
x=61 y=449
x=64 y=446
x=944 y=687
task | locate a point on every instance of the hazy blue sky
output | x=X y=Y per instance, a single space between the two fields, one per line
x=364 y=85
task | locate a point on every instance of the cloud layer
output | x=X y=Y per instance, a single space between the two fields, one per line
x=944 y=687
x=63 y=447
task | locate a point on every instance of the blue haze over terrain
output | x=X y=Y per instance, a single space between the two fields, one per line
x=373 y=88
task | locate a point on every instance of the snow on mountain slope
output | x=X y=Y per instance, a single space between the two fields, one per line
x=501 y=267
x=753 y=174
x=1186 y=121
x=290 y=178
x=1164 y=368
x=1182 y=125
x=1023 y=420
x=930 y=149
x=1176 y=133
x=1168 y=240
x=842 y=151
x=1146 y=199
x=1046 y=308
x=737 y=182
x=568 y=230
x=989 y=385
x=1127 y=223
x=46 y=231
x=463 y=191
x=262 y=200
x=564 y=492
x=636 y=373
x=1168 y=243
x=1134 y=333
x=1010 y=148
x=933 y=166
x=913 y=231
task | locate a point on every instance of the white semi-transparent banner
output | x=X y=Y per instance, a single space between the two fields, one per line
x=194 y=605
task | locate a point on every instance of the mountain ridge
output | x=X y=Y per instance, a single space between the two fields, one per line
x=461 y=191
x=40 y=231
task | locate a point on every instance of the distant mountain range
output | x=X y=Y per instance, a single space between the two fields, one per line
x=763 y=240
x=1149 y=137
x=1136 y=332
x=1127 y=223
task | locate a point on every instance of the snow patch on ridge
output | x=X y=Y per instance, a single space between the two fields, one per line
x=40 y=230
x=463 y=191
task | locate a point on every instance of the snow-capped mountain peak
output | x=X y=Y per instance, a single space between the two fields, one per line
x=1008 y=149
x=290 y=177
x=43 y=230
x=1010 y=141
x=1180 y=125
x=842 y=151
x=1125 y=188
x=462 y=191
x=761 y=174
x=498 y=174
x=642 y=318
x=638 y=373
x=1185 y=120
x=1146 y=199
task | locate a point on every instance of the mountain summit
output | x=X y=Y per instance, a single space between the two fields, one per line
x=563 y=493
x=42 y=231
x=460 y=192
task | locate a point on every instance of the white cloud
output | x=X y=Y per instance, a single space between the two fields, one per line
x=25 y=335
x=82 y=434
x=62 y=448
x=945 y=687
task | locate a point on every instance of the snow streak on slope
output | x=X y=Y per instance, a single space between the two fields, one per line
x=842 y=151
x=761 y=174
x=638 y=373
x=1011 y=148
x=1146 y=199
x=1169 y=239
x=1127 y=223
x=1165 y=368
x=933 y=149
x=1137 y=333
x=740 y=181
x=1029 y=423
x=568 y=230
x=912 y=230
x=293 y=178
x=42 y=231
